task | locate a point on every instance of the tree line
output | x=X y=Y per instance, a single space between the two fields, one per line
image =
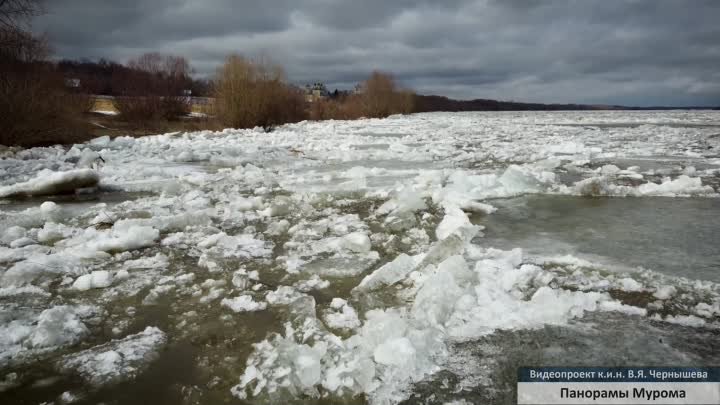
x=34 y=103
x=46 y=102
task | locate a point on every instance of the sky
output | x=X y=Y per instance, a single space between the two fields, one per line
x=640 y=52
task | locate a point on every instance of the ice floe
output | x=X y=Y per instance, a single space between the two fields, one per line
x=116 y=360
x=48 y=183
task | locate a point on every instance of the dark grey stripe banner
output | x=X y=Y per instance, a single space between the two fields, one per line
x=619 y=374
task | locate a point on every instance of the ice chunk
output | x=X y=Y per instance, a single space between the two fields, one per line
x=397 y=352
x=314 y=283
x=685 y=320
x=243 y=303
x=390 y=273
x=435 y=300
x=29 y=334
x=52 y=232
x=158 y=261
x=451 y=245
x=341 y=315
x=57 y=326
x=241 y=279
x=604 y=186
x=283 y=295
x=48 y=182
x=89 y=158
x=96 y=279
x=242 y=204
x=683 y=185
x=280 y=206
x=117 y=360
x=12 y=233
x=454 y=221
x=243 y=245
x=664 y=292
x=68 y=397
x=617 y=306
x=567 y=148
x=406 y=200
x=629 y=284
x=134 y=237
x=523 y=179
x=22 y=242
x=278 y=228
x=307 y=365
x=356 y=242
x=39 y=267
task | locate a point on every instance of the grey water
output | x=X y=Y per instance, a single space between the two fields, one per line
x=675 y=236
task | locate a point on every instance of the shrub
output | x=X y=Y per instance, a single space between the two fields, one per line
x=343 y=108
x=138 y=108
x=80 y=101
x=381 y=97
x=34 y=110
x=252 y=93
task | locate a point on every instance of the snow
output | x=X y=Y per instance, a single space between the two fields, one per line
x=48 y=182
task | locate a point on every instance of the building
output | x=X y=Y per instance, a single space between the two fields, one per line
x=316 y=91
x=72 y=83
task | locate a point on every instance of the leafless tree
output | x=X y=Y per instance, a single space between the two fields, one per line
x=154 y=87
x=16 y=43
x=35 y=106
x=15 y=14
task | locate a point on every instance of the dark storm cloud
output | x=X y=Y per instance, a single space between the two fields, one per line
x=619 y=52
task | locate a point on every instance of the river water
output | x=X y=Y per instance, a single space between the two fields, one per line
x=416 y=259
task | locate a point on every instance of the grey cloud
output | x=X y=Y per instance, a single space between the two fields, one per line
x=617 y=52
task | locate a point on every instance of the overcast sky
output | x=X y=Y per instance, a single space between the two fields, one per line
x=605 y=51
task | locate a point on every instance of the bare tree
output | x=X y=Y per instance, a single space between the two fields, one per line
x=16 y=43
x=21 y=46
x=35 y=106
x=15 y=14
x=154 y=88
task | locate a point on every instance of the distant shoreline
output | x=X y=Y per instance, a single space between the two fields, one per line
x=433 y=103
